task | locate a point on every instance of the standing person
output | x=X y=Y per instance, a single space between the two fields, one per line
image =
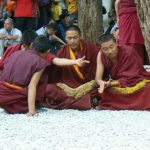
x=129 y=27
x=25 y=14
x=45 y=12
x=67 y=83
x=73 y=10
x=23 y=81
x=128 y=84
x=56 y=9
x=9 y=35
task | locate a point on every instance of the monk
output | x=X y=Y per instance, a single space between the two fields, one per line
x=27 y=38
x=128 y=84
x=73 y=87
x=130 y=32
x=24 y=77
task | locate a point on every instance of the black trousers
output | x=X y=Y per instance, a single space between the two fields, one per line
x=24 y=23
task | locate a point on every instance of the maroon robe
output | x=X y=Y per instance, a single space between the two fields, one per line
x=10 y=50
x=130 y=32
x=18 y=71
x=129 y=71
x=57 y=98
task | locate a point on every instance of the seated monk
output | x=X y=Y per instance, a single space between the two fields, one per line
x=24 y=77
x=128 y=84
x=73 y=87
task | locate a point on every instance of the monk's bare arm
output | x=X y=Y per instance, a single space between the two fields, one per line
x=58 y=39
x=99 y=69
x=99 y=74
x=32 y=92
x=68 y=62
x=117 y=5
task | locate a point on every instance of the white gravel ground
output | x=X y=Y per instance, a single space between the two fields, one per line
x=76 y=130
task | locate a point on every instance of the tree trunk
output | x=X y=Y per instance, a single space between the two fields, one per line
x=144 y=17
x=90 y=19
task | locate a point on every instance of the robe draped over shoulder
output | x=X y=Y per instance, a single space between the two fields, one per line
x=133 y=92
x=57 y=98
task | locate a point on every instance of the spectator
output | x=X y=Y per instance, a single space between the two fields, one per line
x=50 y=31
x=9 y=35
x=56 y=9
x=62 y=25
x=25 y=14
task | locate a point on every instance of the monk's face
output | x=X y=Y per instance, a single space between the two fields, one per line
x=73 y=39
x=110 y=49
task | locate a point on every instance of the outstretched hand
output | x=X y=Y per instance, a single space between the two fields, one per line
x=82 y=62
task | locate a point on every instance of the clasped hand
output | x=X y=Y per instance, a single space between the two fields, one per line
x=103 y=85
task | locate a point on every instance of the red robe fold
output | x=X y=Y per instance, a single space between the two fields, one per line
x=57 y=98
x=130 y=32
x=14 y=48
x=127 y=3
x=129 y=71
x=10 y=50
x=129 y=26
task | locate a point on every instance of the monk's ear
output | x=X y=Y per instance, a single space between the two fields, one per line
x=23 y=47
x=48 y=50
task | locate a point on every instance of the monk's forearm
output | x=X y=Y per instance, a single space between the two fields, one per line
x=99 y=81
x=31 y=98
x=63 y=62
x=114 y=83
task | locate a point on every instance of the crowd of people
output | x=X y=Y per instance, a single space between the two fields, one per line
x=54 y=67
x=42 y=16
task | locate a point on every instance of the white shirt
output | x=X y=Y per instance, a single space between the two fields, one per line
x=41 y=31
x=14 y=31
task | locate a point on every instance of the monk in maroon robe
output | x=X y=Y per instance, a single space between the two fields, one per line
x=72 y=76
x=21 y=76
x=128 y=85
x=23 y=81
x=130 y=32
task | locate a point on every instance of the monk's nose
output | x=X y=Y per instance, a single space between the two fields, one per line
x=72 y=40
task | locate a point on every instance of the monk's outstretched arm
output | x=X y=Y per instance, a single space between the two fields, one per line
x=32 y=92
x=69 y=62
